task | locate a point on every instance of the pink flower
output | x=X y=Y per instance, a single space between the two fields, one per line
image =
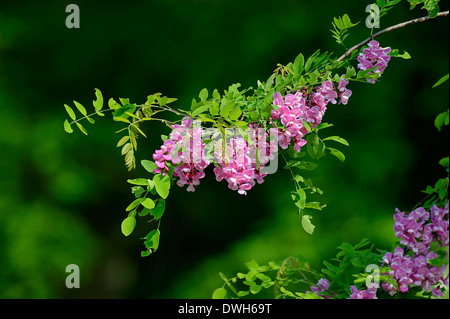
x=374 y=56
x=370 y=293
x=185 y=149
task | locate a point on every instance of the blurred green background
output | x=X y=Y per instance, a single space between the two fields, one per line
x=63 y=197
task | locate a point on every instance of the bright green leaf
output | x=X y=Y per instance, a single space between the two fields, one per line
x=298 y=64
x=336 y=139
x=70 y=112
x=152 y=240
x=80 y=108
x=149 y=166
x=252 y=265
x=158 y=211
x=162 y=185
x=123 y=140
x=67 y=127
x=82 y=129
x=200 y=109
x=203 y=95
x=307 y=225
x=219 y=293
x=128 y=225
x=134 y=204
x=441 y=80
x=440 y=120
x=444 y=162
x=98 y=104
x=139 y=181
x=337 y=153
x=148 y=203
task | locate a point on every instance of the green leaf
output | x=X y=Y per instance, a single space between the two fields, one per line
x=324 y=125
x=307 y=225
x=381 y=3
x=149 y=166
x=121 y=112
x=148 y=203
x=214 y=109
x=138 y=181
x=127 y=147
x=396 y=54
x=152 y=240
x=67 y=127
x=128 y=225
x=203 y=95
x=80 y=108
x=350 y=72
x=162 y=185
x=91 y=120
x=310 y=60
x=242 y=293
x=270 y=81
x=301 y=201
x=337 y=153
x=113 y=104
x=441 y=80
x=137 y=191
x=98 y=104
x=336 y=139
x=235 y=114
x=70 y=112
x=82 y=129
x=134 y=204
x=124 y=101
x=298 y=64
x=254 y=288
x=200 y=109
x=444 y=162
x=252 y=265
x=313 y=205
x=314 y=147
x=309 y=166
x=219 y=293
x=158 y=211
x=440 y=120
x=227 y=109
x=123 y=140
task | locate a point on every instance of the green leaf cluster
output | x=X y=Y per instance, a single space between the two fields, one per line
x=341 y=26
x=98 y=105
x=150 y=200
x=432 y=6
x=279 y=277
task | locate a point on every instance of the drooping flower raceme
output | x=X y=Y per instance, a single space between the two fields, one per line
x=240 y=162
x=417 y=231
x=374 y=56
x=294 y=110
x=185 y=150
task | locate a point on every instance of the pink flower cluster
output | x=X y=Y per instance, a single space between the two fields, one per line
x=369 y=293
x=417 y=231
x=185 y=149
x=237 y=160
x=374 y=56
x=413 y=271
x=321 y=286
x=294 y=110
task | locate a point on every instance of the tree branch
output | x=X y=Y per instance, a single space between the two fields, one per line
x=392 y=28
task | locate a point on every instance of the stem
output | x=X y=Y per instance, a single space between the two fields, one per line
x=392 y=28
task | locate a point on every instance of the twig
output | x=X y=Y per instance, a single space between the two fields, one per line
x=392 y=28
